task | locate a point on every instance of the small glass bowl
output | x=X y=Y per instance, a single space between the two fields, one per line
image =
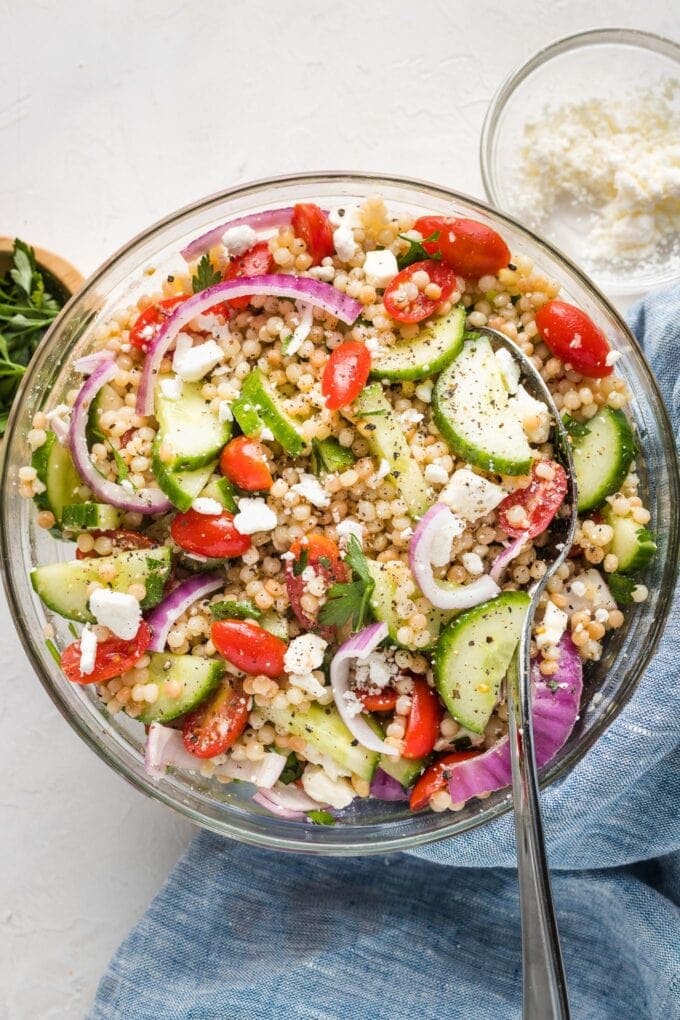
x=602 y=64
x=368 y=826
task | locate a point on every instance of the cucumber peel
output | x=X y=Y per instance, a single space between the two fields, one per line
x=436 y=345
x=197 y=677
x=602 y=457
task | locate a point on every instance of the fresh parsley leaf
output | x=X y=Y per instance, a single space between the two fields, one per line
x=350 y=600
x=24 y=265
x=417 y=252
x=241 y=610
x=52 y=649
x=155 y=581
x=205 y=276
x=321 y=817
x=575 y=429
x=621 y=588
x=292 y=770
x=121 y=467
x=325 y=563
x=300 y=564
x=645 y=535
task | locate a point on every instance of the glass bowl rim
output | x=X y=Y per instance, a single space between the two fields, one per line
x=650 y=41
x=144 y=783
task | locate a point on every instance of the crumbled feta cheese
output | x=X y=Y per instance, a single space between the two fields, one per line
x=411 y=416
x=311 y=489
x=60 y=411
x=304 y=654
x=224 y=412
x=338 y=793
x=266 y=434
x=344 y=242
x=471 y=496
x=578 y=588
x=510 y=370
x=206 y=505
x=373 y=345
x=473 y=563
x=380 y=669
x=436 y=475
x=330 y=767
x=550 y=631
x=308 y=683
x=380 y=267
x=172 y=387
x=308 y=574
x=352 y=703
x=601 y=615
x=88 y=650
x=350 y=527
x=527 y=409
x=450 y=527
x=424 y=391
x=116 y=610
x=193 y=363
x=238 y=240
x=612 y=357
x=253 y=515
x=588 y=590
x=348 y=216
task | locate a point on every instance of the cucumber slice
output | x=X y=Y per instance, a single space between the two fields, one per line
x=470 y=409
x=328 y=456
x=632 y=543
x=275 y=624
x=473 y=654
x=106 y=400
x=323 y=728
x=198 y=678
x=404 y=770
x=374 y=418
x=433 y=349
x=388 y=578
x=222 y=490
x=190 y=428
x=181 y=487
x=602 y=457
x=90 y=517
x=258 y=406
x=57 y=472
x=63 y=586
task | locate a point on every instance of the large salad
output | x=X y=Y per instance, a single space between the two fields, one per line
x=309 y=502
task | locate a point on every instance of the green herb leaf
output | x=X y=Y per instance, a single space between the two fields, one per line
x=121 y=467
x=205 y=276
x=52 y=649
x=321 y=817
x=24 y=264
x=301 y=564
x=155 y=581
x=645 y=535
x=292 y=770
x=576 y=429
x=417 y=252
x=241 y=610
x=621 y=588
x=350 y=600
x=329 y=456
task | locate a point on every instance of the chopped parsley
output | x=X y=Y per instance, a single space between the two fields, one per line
x=205 y=276
x=321 y=817
x=300 y=564
x=155 y=581
x=417 y=251
x=350 y=600
x=575 y=429
x=292 y=770
x=621 y=588
x=241 y=610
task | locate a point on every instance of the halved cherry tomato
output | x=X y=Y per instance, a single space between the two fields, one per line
x=541 y=500
x=113 y=657
x=209 y=535
x=257 y=261
x=384 y=701
x=573 y=336
x=422 y=728
x=427 y=226
x=436 y=777
x=243 y=462
x=345 y=374
x=404 y=309
x=216 y=725
x=472 y=248
x=249 y=647
x=312 y=226
x=152 y=318
x=123 y=541
x=323 y=556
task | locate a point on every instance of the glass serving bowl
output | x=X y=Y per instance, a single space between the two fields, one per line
x=605 y=64
x=368 y=825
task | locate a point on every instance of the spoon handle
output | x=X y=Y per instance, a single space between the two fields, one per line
x=544 y=981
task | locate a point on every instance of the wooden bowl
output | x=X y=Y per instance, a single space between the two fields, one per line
x=64 y=278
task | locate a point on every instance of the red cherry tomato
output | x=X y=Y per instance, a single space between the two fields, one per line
x=243 y=462
x=436 y=777
x=422 y=728
x=123 y=541
x=541 y=500
x=152 y=318
x=312 y=226
x=472 y=248
x=249 y=647
x=323 y=556
x=573 y=336
x=405 y=309
x=427 y=226
x=384 y=701
x=216 y=725
x=208 y=535
x=257 y=261
x=113 y=657
x=345 y=374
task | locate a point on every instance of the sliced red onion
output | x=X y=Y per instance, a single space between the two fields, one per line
x=287 y=802
x=359 y=646
x=499 y=565
x=302 y=330
x=302 y=288
x=384 y=787
x=177 y=602
x=443 y=594
x=267 y=220
x=555 y=706
x=165 y=747
x=87 y=364
x=263 y=773
x=145 y=501
x=61 y=430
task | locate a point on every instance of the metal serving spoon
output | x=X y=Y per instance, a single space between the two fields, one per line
x=544 y=981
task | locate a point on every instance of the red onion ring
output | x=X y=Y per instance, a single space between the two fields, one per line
x=359 y=646
x=266 y=220
x=177 y=602
x=499 y=565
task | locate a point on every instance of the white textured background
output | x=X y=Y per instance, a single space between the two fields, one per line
x=112 y=114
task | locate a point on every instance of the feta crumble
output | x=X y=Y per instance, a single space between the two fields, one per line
x=311 y=489
x=116 y=610
x=380 y=267
x=206 y=505
x=254 y=515
x=550 y=632
x=172 y=388
x=345 y=245
x=473 y=563
x=436 y=475
x=88 y=650
x=224 y=412
x=193 y=363
x=350 y=527
x=337 y=793
x=470 y=495
x=528 y=409
x=238 y=240
x=304 y=654
x=440 y=548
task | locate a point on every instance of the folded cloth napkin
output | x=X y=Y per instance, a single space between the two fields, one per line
x=238 y=932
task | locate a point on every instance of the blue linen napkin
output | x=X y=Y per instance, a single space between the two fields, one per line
x=237 y=932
